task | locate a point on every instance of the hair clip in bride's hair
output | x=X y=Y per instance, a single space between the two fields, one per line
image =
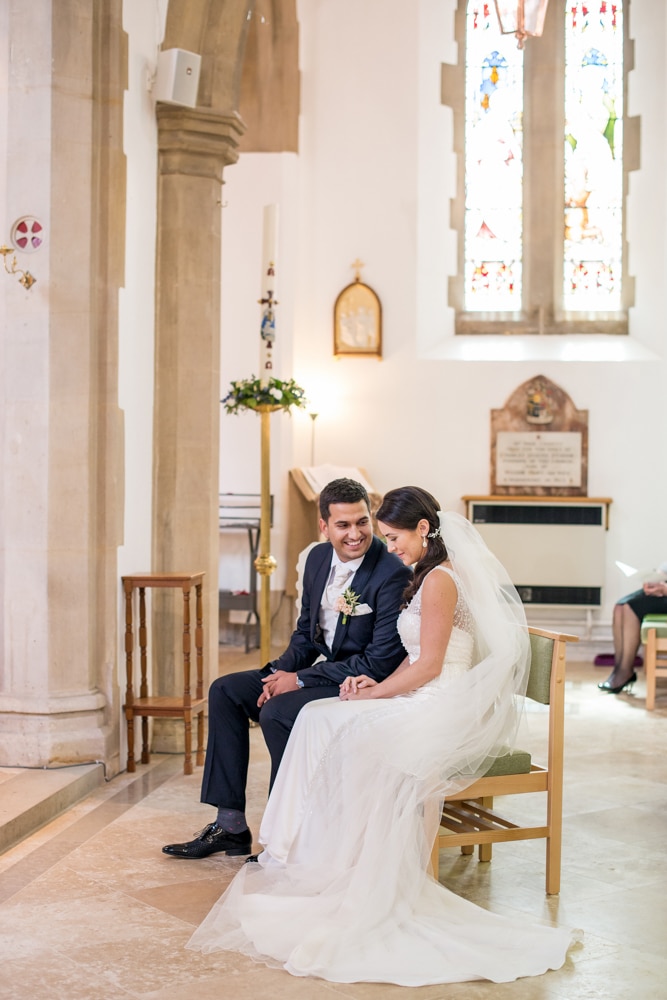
x=434 y=534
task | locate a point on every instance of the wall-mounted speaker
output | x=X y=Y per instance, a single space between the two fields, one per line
x=177 y=77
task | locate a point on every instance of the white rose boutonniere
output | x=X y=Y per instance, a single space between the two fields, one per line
x=347 y=603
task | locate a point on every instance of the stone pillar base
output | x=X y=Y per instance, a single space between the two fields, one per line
x=65 y=729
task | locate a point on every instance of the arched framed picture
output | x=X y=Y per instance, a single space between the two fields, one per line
x=358 y=322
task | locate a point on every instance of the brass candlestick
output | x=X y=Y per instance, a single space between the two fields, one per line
x=265 y=564
x=275 y=394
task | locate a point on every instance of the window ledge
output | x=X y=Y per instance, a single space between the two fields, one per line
x=582 y=347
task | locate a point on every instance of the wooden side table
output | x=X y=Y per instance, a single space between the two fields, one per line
x=178 y=707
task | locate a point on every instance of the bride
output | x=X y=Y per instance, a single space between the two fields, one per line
x=341 y=890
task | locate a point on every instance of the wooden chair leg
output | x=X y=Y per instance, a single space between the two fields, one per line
x=485 y=851
x=555 y=838
x=432 y=818
x=553 y=862
x=467 y=849
x=131 y=765
x=145 y=752
x=650 y=667
x=435 y=857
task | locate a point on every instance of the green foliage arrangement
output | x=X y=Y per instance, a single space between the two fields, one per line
x=250 y=394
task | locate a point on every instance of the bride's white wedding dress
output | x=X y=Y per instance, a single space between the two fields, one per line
x=341 y=890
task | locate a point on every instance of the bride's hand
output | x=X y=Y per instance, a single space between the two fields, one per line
x=352 y=687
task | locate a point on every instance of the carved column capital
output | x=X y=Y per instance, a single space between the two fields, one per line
x=197 y=141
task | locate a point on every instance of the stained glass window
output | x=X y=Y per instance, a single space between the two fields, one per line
x=493 y=164
x=553 y=269
x=593 y=156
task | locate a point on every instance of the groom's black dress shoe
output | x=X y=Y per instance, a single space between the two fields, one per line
x=211 y=840
x=252 y=860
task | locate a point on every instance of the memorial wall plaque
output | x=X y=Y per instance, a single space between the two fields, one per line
x=539 y=443
x=526 y=458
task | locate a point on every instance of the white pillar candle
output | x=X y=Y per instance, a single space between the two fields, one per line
x=268 y=286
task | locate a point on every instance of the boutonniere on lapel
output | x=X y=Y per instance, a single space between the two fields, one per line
x=347 y=603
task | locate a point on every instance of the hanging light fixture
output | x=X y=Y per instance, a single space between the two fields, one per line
x=521 y=18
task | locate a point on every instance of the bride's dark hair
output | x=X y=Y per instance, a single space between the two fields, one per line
x=405 y=507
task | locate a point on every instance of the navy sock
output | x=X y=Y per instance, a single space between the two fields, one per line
x=231 y=820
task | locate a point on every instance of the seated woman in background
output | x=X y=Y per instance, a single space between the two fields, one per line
x=626 y=629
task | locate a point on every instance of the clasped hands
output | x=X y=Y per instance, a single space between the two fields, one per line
x=357 y=688
x=282 y=681
x=279 y=682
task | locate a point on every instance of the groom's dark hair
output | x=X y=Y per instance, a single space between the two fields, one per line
x=342 y=491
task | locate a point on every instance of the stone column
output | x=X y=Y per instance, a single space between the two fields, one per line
x=60 y=426
x=194 y=147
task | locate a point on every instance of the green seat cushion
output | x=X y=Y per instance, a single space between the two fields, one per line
x=658 y=622
x=512 y=761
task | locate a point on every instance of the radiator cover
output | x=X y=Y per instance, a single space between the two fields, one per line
x=554 y=553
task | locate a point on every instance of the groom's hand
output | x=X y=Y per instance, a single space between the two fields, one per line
x=280 y=682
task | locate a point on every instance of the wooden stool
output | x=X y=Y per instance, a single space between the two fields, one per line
x=654 y=634
x=159 y=706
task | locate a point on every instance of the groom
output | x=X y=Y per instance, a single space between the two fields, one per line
x=327 y=645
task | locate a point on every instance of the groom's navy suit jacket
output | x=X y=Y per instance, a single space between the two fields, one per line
x=363 y=644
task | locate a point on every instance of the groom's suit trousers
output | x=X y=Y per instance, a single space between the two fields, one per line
x=232 y=701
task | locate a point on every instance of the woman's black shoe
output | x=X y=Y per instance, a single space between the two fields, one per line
x=611 y=689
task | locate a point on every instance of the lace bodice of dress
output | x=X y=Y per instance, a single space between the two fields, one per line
x=459 y=648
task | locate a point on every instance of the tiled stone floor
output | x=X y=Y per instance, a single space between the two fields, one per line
x=90 y=909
